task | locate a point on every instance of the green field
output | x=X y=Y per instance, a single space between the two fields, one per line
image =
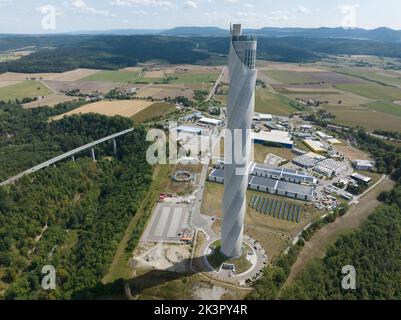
x=367 y=118
x=195 y=77
x=288 y=77
x=373 y=91
x=268 y=102
x=384 y=76
x=386 y=107
x=187 y=78
x=26 y=89
x=113 y=76
x=307 y=92
x=155 y=110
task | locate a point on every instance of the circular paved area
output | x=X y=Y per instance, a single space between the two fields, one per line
x=258 y=260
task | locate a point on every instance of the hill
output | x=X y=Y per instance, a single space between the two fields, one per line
x=59 y=53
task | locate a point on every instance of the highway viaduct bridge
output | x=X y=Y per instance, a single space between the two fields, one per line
x=70 y=154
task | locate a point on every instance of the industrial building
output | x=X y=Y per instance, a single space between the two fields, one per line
x=308 y=160
x=361 y=178
x=364 y=165
x=330 y=167
x=189 y=129
x=265 y=117
x=334 y=141
x=272 y=186
x=192 y=116
x=282 y=174
x=324 y=136
x=281 y=138
x=306 y=127
x=209 y=122
x=315 y=146
x=262 y=117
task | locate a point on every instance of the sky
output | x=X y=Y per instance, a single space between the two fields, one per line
x=44 y=16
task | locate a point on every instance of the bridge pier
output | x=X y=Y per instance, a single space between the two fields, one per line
x=115 y=147
x=93 y=154
x=73 y=158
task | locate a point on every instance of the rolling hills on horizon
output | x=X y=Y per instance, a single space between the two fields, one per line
x=379 y=34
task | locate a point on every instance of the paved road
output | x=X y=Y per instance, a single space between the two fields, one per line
x=198 y=220
x=64 y=156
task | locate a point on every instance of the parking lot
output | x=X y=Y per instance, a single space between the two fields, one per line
x=167 y=223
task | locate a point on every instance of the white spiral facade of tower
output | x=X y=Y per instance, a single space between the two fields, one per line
x=240 y=109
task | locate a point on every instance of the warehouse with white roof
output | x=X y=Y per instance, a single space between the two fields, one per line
x=281 y=138
x=209 y=121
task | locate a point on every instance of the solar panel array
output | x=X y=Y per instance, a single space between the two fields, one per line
x=276 y=208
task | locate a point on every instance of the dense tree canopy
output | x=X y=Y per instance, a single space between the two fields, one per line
x=375 y=253
x=71 y=216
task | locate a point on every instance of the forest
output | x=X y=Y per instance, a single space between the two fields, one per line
x=71 y=216
x=374 y=251
x=59 y=53
x=103 y=52
x=27 y=138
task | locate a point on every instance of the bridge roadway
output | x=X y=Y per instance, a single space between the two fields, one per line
x=65 y=155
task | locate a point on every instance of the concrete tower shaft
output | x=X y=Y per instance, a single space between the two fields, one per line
x=240 y=108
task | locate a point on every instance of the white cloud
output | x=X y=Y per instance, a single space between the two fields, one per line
x=190 y=4
x=246 y=14
x=81 y=6
x=146 y=3
x=278 y=16
x=302 y=9
x=5 y=2
x=249 y=5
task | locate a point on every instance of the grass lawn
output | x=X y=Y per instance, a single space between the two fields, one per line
x=194 y=77
x=259 y=152
x=268 y=102
x=187 y=78
x=290 y=76
x=149 y=80
x=212 y=206
x=217 y=258
x=368 y=119
x=273 y=243
x=26 y=89
x=113 y=76
x=155 y=110
x=384 y=76
x=372 y=90
x=222 y=98
x=386 y=107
